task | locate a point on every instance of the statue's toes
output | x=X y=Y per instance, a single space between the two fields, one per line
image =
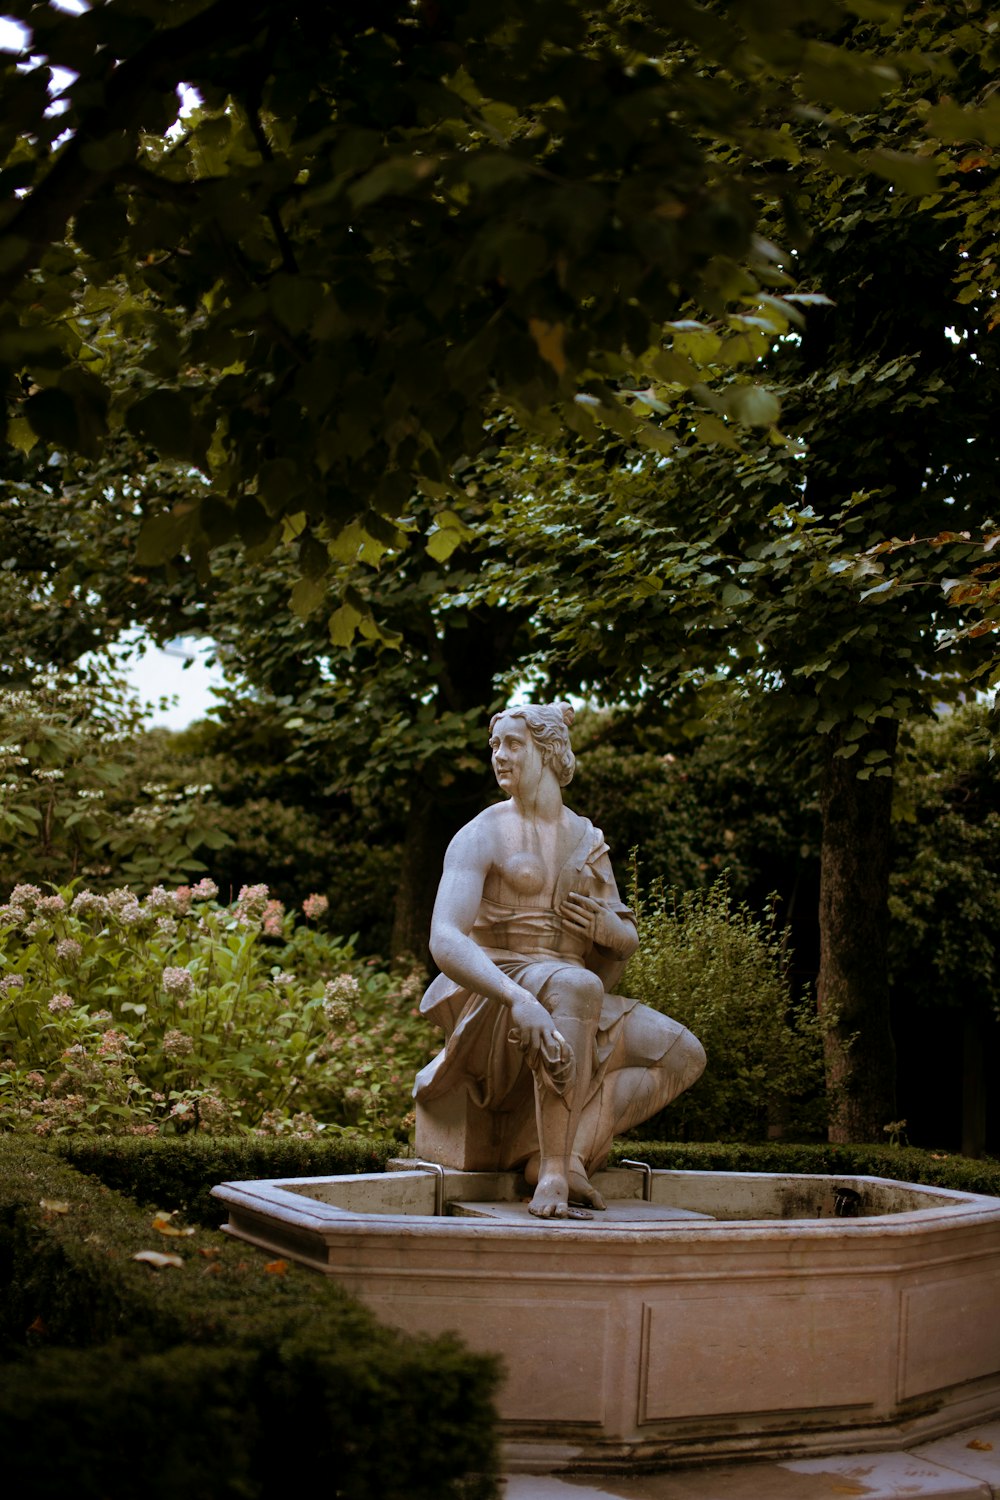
x=581 y=1191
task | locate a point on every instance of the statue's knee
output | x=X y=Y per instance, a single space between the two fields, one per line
x=578 y=993
x=693 y=1056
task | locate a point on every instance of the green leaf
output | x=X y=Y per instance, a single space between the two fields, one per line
x=164 y=418
x=443 y=542
x=343 y=625
x=307 y=596
x=880 y=589
x=399 y=175
x=253 y=523
x=732 y=596
x=295 y=300
x=163 y=537
x=20 y=434
x=488 y=170
x=752 y=404
x=911 y=174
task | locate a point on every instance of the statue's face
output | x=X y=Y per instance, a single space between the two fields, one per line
x=517 y=760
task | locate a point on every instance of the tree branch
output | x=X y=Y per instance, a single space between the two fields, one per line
x=159 y=65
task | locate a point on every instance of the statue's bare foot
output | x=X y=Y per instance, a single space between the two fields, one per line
x=581 y=1190
x=551 y=1199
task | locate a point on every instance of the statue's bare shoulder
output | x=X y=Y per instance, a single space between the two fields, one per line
x=480 y=842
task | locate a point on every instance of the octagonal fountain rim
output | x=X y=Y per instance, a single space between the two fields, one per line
x=682 y=1206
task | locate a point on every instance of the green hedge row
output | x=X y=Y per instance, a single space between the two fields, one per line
x=180 y=1172
x=230 y=1375
x=904 y=1163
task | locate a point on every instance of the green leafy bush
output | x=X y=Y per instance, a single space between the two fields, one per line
x=173 y=1014
x=721 y=971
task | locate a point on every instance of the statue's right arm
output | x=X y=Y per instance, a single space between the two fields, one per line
x=466 y=865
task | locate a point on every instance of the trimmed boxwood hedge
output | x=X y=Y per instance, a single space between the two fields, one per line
x=180 y=1172
x=904 y=1163
x=231 y=1376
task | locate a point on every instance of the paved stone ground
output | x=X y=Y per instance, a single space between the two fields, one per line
x=965 y=1466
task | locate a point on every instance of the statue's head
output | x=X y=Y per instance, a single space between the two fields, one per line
x=548 y=724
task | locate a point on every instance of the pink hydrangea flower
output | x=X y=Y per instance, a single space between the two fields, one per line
x=85 y=901
x=112 y=1044
x=274 y=911
x=24 y=895
x=315 y=906
x=178 y=983
x=177 y=1043
x=161 y=900
x=252 y=900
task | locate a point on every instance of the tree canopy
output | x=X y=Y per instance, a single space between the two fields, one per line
x=383 y=224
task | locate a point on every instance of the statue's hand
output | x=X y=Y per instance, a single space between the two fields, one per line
x=587 y=916
x=537 y=1035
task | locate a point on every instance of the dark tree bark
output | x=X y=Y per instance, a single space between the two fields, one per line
x=853 y=989
x=468 y=657
x=973 y=1086
x=432 y=822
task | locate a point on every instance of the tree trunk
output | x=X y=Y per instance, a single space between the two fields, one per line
x=420 y=870
x=853 y=989
x=973 y=1086
x=432 y=821
x=469 y=652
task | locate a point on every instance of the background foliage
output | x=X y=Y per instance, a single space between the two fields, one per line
x=722 y=972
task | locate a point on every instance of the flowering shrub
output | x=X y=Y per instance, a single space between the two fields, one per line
x=173 y=1013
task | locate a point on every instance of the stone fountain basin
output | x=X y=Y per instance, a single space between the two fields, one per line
x=705 y=1315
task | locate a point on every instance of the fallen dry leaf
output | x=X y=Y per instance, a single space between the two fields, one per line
x=162 y=1223
x=158 y=1258
x=276 y=1267
x=53 y=1206
x=980 y=1446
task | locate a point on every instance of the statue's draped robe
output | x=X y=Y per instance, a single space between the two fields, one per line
x=533 y=945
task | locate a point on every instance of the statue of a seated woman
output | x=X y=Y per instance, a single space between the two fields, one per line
x=531 y=938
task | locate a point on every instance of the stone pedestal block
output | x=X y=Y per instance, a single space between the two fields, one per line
x=457 y=1133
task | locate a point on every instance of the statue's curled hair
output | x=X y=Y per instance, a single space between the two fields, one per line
x=548 y=725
